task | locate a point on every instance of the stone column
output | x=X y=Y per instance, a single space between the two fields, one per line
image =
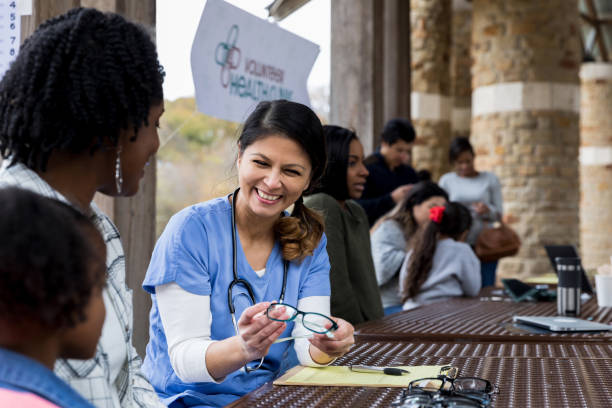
x=525 y=105
x=460 y=65
x=356 y=97
x=596 y=164
x=430 y=102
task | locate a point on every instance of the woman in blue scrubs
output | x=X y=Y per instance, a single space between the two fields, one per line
x=197 y=354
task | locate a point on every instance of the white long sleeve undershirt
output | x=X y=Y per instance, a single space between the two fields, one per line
x=188 y=338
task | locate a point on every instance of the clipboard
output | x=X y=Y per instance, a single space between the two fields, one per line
x=341 y=376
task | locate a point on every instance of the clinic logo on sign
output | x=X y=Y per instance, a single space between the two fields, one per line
x=259 y=81
x=228 y=55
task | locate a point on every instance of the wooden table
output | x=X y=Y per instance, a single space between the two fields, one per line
x=531 y=370
x=472 y=319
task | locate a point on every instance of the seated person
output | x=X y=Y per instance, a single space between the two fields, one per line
x=52 y=271
x=390 y=177
x=219 y=265
x=354 y=292
x=393 y=234
x=440 y=265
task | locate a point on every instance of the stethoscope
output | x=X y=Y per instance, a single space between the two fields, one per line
x=244 y=282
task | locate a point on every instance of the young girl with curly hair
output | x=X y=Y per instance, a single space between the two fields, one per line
x=52 y=271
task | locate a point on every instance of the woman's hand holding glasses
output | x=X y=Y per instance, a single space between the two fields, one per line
x=256 y=332
x=330 y=335
x=339 y=344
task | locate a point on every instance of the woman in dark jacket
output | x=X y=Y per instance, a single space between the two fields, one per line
x=354 y=291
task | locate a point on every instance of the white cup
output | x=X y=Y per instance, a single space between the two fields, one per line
x=603 y=285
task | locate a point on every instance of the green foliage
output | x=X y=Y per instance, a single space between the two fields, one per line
x=181 y=119
x=195 y=161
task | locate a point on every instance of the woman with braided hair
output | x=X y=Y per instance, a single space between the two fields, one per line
x=78 y=114
x=219 y=266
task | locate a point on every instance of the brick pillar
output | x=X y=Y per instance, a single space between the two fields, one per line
x=356 y=97
x=525 y=104
x=460 y=64
x=596 y=164
x=430 y=102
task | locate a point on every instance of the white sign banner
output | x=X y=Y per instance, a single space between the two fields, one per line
x=25 y=7
x=238 y=60
x=10 y=33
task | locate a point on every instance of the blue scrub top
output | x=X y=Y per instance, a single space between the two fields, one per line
x=195 y=251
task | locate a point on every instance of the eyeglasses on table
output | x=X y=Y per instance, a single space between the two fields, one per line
x=447 y=390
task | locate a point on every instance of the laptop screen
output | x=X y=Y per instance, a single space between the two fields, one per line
x=567 y=251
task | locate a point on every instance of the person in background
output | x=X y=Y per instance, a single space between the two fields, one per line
x=202 y=354
x=424 y=175
x=440 y=266
x=52 y=271
x=480 y=191
x=79 y=110
x=390 y=178
x=354 y=292
x=392 y=236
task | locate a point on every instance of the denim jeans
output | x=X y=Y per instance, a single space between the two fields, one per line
x=487 y=273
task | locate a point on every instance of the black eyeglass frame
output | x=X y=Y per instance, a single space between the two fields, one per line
x=438 y=399
x=334 y=325
x=489 y=388
x=449 y=374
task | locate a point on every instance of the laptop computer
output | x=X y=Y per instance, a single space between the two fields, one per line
x=567 y=251
x=562 y=323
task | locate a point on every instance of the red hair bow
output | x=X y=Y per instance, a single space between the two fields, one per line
x=436 y=213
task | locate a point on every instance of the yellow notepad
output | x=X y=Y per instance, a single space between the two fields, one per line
x=341 y=376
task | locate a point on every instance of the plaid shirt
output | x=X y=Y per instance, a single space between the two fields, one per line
x=91 y=378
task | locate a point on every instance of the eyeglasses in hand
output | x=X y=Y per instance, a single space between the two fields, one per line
x=315 y=322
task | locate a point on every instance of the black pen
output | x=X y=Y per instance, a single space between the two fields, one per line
x=373 y=369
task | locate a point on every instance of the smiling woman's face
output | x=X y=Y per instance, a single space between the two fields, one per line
x=273 y=172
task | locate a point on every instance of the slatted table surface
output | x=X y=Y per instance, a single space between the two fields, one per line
x=465 y=319
x=527 y=374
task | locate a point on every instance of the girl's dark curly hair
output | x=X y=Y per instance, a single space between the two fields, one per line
x=77 y=81
x=456 y=219
x=51 y=259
